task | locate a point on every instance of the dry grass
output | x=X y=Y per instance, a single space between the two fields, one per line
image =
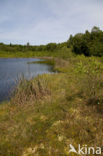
x=51 y=111
x=30 y=91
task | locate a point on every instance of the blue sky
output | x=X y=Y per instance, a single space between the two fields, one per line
x=44 y=21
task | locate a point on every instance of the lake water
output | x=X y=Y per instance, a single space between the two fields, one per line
x=12 y=69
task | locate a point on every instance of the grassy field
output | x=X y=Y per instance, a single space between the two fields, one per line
x=50 y=112
x=18 y=54
x=61 y=53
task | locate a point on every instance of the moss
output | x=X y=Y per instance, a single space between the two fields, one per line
x=50 y=112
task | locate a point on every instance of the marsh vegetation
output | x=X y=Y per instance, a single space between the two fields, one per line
x=51 y=111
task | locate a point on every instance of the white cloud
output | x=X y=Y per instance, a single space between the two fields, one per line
x=43 y=21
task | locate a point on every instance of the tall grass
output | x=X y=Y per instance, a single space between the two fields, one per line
x=27 y=90
x=51 y=111
x=61 y=53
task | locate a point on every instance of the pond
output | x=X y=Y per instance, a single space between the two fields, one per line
x=11 y=69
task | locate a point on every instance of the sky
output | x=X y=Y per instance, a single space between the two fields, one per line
x=44 y=21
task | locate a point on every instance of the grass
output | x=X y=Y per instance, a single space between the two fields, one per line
x=47 y=61
x=50 y=112
x=62 y=53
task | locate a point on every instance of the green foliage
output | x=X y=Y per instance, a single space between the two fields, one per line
x=51 y=50
x=96 y=49
x=51 y=111
x=92 y=66
x=90 y=72
x=90 y=43
x=48 y=113
x=51 y=46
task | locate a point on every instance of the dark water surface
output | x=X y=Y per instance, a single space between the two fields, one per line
x=12 y=69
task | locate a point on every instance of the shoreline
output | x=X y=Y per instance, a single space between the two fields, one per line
x=37 y=62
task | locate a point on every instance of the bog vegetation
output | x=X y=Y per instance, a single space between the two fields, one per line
x=50 y=112
x=89 y=44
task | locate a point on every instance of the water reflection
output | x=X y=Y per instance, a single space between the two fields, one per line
x=12 y=69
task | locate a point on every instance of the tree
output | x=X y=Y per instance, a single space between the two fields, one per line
x=95 y=29
x=28 y=44
x=51 y=46
x=90 y=43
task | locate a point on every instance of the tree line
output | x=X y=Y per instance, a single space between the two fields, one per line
x=89 y=43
